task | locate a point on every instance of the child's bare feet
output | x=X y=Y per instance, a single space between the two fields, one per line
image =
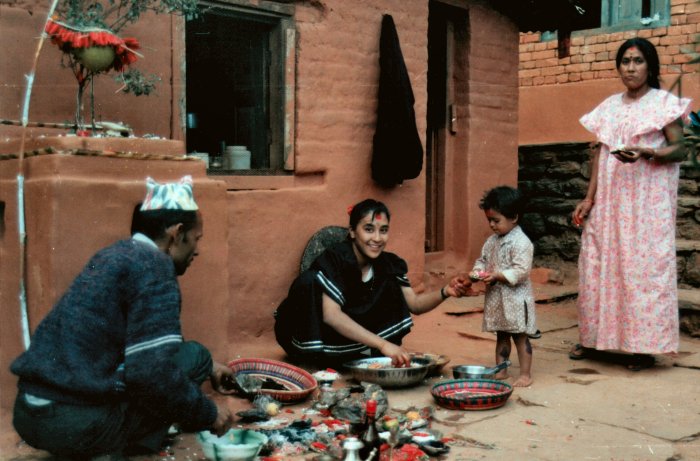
x=523 y=381
x=501 y=375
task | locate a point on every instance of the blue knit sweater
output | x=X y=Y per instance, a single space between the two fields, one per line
x=111 y=336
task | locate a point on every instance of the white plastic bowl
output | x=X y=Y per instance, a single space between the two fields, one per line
x=235 y=445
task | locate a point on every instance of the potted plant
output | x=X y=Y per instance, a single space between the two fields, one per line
x=88 y=34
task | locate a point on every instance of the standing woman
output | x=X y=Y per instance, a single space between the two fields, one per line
x=628 y=298
x=355 y=299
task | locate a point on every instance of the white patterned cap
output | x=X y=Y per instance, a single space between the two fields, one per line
x=169 y=196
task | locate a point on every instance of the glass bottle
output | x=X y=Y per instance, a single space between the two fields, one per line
x=370 y=437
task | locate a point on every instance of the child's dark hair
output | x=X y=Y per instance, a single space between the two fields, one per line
x=360 y=210
x=505 y=200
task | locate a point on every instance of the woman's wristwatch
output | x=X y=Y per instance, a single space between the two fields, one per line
x=443 y=294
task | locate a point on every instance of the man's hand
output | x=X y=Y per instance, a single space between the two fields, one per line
x=224 y=419
x=222 y=378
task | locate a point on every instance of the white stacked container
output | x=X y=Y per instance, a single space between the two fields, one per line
x=237 y=158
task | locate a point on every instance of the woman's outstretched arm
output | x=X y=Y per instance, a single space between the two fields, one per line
x=425 y=302
x=334 y=317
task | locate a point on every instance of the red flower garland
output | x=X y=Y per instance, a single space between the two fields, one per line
x=68 y=38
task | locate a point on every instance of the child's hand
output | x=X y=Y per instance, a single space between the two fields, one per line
x=491 y=277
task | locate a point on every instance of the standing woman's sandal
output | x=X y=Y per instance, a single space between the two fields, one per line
x=641 y=362
x=578 y=352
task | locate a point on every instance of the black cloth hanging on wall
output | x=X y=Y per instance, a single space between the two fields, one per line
x=397 y=149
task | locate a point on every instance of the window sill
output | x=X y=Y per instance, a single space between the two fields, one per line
x=253 y=179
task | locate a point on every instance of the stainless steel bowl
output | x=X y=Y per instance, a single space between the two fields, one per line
x=387 y=376
x=472 y=372
x=477 y=371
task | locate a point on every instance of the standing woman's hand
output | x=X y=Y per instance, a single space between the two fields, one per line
x=642 y=152
x=581 y=211
x=627 y=155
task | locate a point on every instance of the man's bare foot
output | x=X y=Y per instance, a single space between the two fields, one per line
x=523 y=381
x=501 y=375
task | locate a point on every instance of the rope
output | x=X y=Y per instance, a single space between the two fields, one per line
x=97 y=153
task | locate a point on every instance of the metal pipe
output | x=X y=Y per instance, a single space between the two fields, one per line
x=20 y=185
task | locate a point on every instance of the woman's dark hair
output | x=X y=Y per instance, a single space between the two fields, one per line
x=505 y=200
x=153 y=223
x=650 y=55
x=360 y=210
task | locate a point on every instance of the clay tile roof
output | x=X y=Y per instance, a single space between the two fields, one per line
x=541 y=15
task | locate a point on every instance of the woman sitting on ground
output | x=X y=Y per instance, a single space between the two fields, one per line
x=355 y=300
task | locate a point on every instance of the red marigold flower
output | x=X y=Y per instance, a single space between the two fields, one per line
x=69 y=38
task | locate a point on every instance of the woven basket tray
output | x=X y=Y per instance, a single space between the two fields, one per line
x=298 y=383
x=471 y=394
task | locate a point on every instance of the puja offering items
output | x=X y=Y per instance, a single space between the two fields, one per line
x=282 y=381
x=380 y=371
x=471 y=394
x=352 y=406
x=234 y=445
x=264 y=408
x=478 y=275
x=477 y=371
x=326 y=377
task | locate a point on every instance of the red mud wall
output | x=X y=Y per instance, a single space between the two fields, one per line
x=337 y=75
x=77 y=204
x=256 y=230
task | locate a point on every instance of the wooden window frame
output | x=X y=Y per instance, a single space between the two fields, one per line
x=610 y=21
x=282 y=75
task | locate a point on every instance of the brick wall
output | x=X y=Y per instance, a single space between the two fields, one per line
x=592 y=56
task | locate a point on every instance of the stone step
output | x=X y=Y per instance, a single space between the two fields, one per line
x=687 y=246
x=689 y=299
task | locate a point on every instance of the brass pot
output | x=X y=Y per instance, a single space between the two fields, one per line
x=95 y=58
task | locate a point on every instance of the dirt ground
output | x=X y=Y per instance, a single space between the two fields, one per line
x=574 y=410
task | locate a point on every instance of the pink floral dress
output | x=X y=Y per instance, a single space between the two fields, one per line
x=628 y=298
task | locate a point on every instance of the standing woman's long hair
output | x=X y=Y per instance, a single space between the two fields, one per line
x=650 y=54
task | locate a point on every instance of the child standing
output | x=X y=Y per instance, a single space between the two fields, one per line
x=504 y=266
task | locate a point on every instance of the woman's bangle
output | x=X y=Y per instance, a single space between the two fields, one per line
x=587 y=200
x=443 y=294
x=651 y=155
